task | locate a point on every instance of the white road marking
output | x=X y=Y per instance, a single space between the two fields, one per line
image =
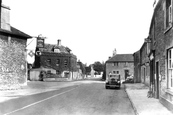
x=39 y=101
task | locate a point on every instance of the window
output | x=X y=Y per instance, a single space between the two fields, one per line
x=65 y=62
x=115 y=72
x=57 y=62
x=9 y=39
x=57 y=72
x=115 y=64
x=170 y=68
x=126 y=64
x=57 y=50
x=49 y=61
x=167 y=14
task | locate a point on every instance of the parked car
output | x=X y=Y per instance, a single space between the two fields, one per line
x=129 y=79
x=113 y=80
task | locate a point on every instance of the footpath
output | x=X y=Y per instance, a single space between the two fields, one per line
x=143 y=105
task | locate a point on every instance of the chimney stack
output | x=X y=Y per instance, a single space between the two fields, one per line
x=5 y=17
x=59 y=42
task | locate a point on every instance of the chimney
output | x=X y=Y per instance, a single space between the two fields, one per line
x=114 y=52
x=59 y=42
x=5 y=17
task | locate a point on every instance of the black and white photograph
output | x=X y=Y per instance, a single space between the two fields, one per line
x=86 y=57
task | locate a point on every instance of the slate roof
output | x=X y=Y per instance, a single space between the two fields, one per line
x=121 y=58
x=50 y=47
x=15 y=32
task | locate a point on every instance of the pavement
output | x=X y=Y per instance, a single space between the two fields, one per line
x=143 y=105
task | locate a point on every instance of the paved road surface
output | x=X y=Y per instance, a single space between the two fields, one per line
x=88 y=98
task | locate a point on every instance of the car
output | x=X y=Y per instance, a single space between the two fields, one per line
x=113 y=80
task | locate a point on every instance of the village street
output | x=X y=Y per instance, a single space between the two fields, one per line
x=88 y=97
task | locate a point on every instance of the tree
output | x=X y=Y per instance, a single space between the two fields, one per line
x=99 y=67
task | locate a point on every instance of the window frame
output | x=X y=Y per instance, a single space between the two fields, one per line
x=65 y=62
x=57 y=62
x=115 y=72
x=167 y=9
x=48 y=61
x=170 y=68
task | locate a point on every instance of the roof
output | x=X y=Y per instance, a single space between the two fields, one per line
x=15 y=32
x=121 y=58
x=50 y=47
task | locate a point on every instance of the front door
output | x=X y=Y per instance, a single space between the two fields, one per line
x=126 y=72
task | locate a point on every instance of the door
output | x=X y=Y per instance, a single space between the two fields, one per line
x=157 y=80
x=144 y=74
x=126 y=72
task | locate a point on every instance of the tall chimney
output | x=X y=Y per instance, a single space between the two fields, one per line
x=59 y=42
x=5 y=17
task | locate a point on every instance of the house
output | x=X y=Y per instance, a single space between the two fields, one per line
x=13 y=66
x=144 y=64
x=137 y=67
x=57 y=57
x=160 y=54
x=122 y=64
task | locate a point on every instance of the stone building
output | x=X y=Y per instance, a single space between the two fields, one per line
x=160 y=53
x=144 y=63
x=137 y=67
x=13 y=65
x=122 y=64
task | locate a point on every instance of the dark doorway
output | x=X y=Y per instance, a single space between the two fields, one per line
x=157 y=80
x=126 y=73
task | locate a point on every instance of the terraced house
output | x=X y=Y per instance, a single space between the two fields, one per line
x=13 y=65
x=160 y=52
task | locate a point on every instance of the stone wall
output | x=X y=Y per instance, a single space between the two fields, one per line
x=121 y=68
x=12 y=62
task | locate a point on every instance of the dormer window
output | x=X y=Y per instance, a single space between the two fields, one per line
x=57 y=50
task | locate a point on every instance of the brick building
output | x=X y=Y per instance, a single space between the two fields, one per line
x=122 y=64
x=59 y=58
x=13 y=66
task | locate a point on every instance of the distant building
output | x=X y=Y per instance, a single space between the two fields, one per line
x=122 y=64
x=13 y=65
x=57 y=57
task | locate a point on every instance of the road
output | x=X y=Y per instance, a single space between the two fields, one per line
x=87 y=98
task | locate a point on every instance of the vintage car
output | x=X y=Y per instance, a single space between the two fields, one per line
x=113 y=80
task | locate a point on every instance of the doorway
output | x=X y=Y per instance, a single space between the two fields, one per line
x=126 y=72
x=157 y=80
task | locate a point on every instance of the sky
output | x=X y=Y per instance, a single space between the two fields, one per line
x=92 y=29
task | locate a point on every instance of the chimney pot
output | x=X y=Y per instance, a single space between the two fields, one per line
x=59 y=42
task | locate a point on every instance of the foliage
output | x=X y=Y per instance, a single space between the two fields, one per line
x=82 y=67
x=99 y=67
